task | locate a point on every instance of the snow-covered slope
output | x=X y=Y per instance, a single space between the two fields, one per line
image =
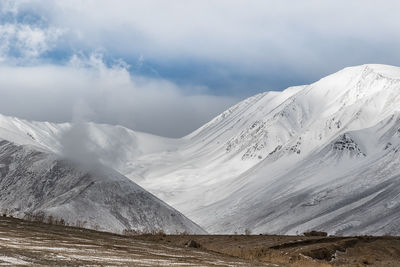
x=322 y=156
x=35 y=182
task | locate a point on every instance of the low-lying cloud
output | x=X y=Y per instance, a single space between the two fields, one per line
x=87 y=89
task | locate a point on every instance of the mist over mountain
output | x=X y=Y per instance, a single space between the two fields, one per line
x=320 y=156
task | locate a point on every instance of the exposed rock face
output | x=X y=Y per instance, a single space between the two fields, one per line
x=345 y=142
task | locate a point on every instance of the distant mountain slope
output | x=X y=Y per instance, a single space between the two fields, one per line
x=34 y=182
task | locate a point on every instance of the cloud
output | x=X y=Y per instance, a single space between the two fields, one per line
x=253 y=33
x=232 y=47
x=25 y=42
x=87 y=89
x=178 y=54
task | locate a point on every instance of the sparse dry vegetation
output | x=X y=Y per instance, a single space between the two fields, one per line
x=39 y=244
x=310 y=251
x=41 y=218
x=315 y=233
x=55 y=244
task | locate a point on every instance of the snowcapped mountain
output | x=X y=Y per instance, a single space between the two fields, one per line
x=323 y=156
x=34 y=182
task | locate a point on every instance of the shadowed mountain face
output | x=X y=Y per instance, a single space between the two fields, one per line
x=323 y=156
x=37 y=183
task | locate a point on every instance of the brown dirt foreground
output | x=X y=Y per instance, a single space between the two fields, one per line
x=28 y=243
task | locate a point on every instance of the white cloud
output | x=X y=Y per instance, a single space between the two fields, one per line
x=88 y=89
x=250 y=35
x=26 y=42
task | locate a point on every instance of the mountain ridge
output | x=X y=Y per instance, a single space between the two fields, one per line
x=320 y=156
x=38 y=184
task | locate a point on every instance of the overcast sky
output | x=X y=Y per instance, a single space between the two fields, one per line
x=167 y=67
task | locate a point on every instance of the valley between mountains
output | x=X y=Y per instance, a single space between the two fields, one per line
x=324 y=156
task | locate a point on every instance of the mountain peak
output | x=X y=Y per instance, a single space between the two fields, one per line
x=385 y=70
